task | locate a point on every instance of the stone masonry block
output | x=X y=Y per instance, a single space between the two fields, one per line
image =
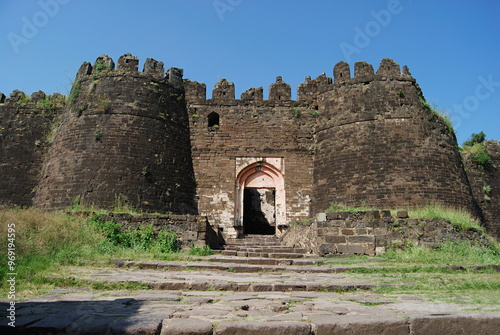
x=361 y=239
x=186 y=326
x=385 y=214
x=326 y=249
x=347 y=249
x=347 y=231
x=360 y=324
x=361 y=231
x=263 y=328
x=402 y=214
x=335 y=239
x=455 y=325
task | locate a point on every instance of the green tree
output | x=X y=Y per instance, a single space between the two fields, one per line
x=475 y=138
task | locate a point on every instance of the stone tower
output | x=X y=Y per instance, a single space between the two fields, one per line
x=379 y=143
x=123 y=137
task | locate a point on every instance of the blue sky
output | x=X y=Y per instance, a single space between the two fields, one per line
x=451 y=47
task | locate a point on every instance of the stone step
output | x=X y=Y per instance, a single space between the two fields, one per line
x=258 y=239
x=244 y=253
x=247 y=242
x=269 y=261
x=257 y=245
x=267 y=249
x=237 y=264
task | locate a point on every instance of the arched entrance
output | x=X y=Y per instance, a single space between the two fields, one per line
x=260 y=203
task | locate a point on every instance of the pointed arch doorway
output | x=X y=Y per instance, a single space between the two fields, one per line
x=260 y=203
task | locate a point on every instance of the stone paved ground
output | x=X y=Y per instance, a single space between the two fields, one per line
x=81 y=311
x=229 y=296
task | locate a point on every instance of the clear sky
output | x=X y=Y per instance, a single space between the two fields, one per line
x=451 y=47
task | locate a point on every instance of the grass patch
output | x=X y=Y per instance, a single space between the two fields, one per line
x=448 y=253
x=201 y=251
x=50 y=242
x=459 y=218
x=443 y=117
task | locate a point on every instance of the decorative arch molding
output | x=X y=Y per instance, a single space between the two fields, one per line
x=260 y=174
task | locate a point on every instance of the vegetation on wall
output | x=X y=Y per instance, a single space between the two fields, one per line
x=476 y=150
x=460 y=219
x=443 y=117
x=75 y=92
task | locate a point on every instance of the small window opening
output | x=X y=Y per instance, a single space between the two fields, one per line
x=213 y=121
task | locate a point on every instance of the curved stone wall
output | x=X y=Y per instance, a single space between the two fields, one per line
x=379 y=144
x=124 y=138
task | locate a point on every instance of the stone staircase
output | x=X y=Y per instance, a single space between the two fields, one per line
x=254 y=285
x=264 y=246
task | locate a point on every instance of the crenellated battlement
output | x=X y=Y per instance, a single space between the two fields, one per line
x=280 y=91
x=363 y=72
x=224 y=91
x=129 y=65
x=39 y=99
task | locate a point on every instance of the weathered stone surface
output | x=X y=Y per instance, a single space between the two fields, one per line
x=263 y=328
x=37 y=96
x=402 y=214
x=154 y=68
x=186 y=326
x=144 y=324
x=438 y=325
x=360 y=324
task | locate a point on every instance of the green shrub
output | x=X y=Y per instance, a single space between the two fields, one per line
x=479 y=155
x=476 y=150
x=201 y=251
x=474 y=139
x=141 y=238
x=167 y=242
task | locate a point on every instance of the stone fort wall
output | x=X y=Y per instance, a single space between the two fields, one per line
x=25 y=134
x=485 y=183
x=124 y=137
x=157 y=142
x=379 y=144
x=228 y=134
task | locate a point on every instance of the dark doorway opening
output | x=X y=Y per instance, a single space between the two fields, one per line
x=259 y=211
